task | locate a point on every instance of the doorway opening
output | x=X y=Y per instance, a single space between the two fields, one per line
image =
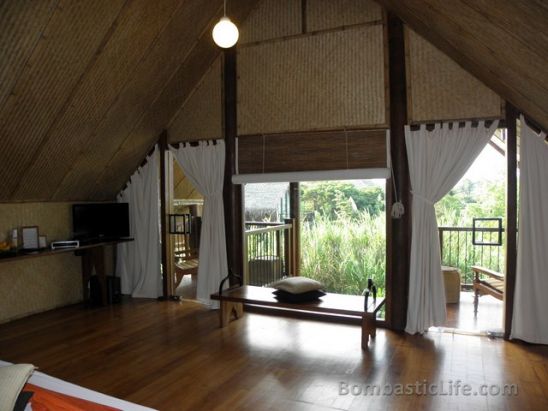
x=471 y=222
x=335 y=234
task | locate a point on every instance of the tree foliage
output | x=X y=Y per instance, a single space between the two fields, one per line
x=333 y=200
x=344 y=243
x=469 y=200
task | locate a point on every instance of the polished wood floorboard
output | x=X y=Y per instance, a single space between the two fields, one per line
x=172 y=356
x=488 y=318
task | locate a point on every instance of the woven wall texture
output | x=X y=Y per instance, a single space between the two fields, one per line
x=200 y=117
x=326 y=14
x=38 y=284
x=272 y=19
x=330 y=80
x=439 y=89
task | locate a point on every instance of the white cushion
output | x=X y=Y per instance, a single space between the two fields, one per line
x=297 y=285
x=12 y=380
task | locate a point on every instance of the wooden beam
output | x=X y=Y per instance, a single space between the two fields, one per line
x=232 y=194
x=399 y=239
x=303 y=16
x=511 y=216
x=163 y=145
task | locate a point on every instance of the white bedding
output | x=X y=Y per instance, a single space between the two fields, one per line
x=54 y=384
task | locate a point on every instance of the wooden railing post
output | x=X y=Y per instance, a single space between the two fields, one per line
x=288 y=248
x=245 y=259
x=295 y=215
x=440 y=233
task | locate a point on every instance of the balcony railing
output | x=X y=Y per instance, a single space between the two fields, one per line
x=458 y=250
x=269 y=251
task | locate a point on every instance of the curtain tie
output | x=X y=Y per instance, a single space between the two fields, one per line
x=424 y=199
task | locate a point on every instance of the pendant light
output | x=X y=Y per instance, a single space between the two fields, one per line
x=225 y=33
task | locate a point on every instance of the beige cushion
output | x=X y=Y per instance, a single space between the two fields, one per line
x=297 y=285
x=451 y=279
x=12 y=380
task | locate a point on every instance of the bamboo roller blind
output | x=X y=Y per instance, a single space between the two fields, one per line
x=315 y=151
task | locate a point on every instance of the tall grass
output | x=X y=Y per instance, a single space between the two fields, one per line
x=343 y=253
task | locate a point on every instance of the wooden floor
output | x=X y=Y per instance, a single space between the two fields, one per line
x=488 y=318
x=172 y=356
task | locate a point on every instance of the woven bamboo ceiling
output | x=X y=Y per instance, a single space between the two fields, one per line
x=86 y=87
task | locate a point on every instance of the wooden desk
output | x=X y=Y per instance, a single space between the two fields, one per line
x=92 y=257
x=232 y=301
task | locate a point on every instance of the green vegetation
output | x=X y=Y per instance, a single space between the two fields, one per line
x=458 y=209
x=340 y=199
x=343 y=240
x=343 y=236
x=342 y=254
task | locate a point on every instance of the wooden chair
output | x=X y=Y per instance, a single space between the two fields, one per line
x=186 y=262
x=492 y=285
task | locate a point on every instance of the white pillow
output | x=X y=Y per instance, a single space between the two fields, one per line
x=12 y=380
x=297 y=285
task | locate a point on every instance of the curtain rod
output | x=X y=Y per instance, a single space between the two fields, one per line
x=194 y=143
x=461 y=124
x=321 y=175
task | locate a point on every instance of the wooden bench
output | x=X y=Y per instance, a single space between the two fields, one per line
x=233 y=299
x=493 y=285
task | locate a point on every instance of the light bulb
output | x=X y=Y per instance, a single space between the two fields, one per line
x=225 y=33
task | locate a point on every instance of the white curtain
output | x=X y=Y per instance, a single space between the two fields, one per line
x=204 y=166
x=138 y=263
x=437 y=161
x=530 y=319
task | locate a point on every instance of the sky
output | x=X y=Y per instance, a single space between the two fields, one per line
x=490 y=165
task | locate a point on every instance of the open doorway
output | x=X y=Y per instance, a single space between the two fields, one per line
x=336 y=234
x=343 y=234
x=184 y=234
x=471 y=221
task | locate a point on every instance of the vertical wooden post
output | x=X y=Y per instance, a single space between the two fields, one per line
x=511 y=216
x=295 y=214
x=303 y=16
x=232 y=194
x=163 y=214
x=399 y=237
x=440 y=234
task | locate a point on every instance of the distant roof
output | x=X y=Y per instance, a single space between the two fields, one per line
x=264 y=195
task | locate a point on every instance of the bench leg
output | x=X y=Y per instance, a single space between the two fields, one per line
x=476 y=300
x=227 y=309
x=369 y=328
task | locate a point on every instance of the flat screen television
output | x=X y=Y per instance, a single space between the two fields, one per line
x=100 y=221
